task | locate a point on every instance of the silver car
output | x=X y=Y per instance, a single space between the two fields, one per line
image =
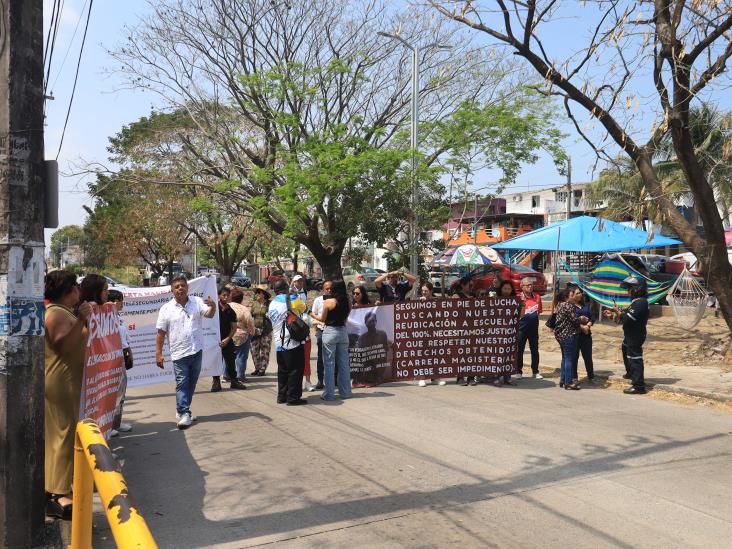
x=361 y=276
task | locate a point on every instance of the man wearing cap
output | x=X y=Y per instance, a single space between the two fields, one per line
x=634 y=319
x=290 y=353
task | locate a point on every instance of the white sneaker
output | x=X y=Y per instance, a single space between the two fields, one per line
x=422 y=383
x=185 y=421
x=193 y=418
x=113 y=433
x=309 y=387
x=442 y=382
x=518 y=376
x=124 y=428
x=538 y=376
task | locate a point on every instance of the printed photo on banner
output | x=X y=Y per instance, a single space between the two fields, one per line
x=140 y=314
x=371 y=343
x=103 y=367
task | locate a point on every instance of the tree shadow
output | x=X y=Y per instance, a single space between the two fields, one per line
x=170 y=486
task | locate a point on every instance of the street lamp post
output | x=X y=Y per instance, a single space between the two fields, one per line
x=413 y=227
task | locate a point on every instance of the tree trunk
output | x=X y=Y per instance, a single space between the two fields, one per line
x=328 y=257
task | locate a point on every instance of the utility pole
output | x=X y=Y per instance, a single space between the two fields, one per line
x=22 y=267
x=569 y=188
x=414 y=222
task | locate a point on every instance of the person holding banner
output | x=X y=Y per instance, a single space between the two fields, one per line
x=505 y=289
x=65 y=342
x=463 y=289
x=181 y=321
x=335 y=341
x=116 y=297
x=426 y=293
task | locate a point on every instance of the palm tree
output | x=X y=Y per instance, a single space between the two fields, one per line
x=621 y=187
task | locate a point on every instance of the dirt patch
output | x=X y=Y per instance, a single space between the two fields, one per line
x=667 y=343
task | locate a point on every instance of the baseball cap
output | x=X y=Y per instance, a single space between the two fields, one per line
x=296 y=278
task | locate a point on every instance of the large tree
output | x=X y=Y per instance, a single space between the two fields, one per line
x=676 y=50
x=303 y=106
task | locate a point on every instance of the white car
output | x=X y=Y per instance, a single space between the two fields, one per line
x=691 y=260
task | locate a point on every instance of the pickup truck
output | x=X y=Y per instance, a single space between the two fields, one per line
x=657 y=267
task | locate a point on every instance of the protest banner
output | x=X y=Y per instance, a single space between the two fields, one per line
x=140 y=314
x=103 y=367
x=371 y=342
x=434 y=339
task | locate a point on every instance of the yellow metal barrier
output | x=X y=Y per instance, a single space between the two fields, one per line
x=95 y=465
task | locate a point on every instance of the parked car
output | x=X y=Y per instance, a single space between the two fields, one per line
x=361 y=276
x=485 y=276
x=277 y=275
x=658 y=267
x=436 y=278
x=314 y=283
x=240 y=279
x=111 y=282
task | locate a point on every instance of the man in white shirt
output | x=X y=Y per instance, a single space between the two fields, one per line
x=318 y=310
x=181 y=319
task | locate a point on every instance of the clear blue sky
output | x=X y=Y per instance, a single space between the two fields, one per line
x=101 y=108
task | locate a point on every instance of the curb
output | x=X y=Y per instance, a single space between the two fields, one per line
x=615 y=379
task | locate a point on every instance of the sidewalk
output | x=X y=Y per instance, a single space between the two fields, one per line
x=711 y=383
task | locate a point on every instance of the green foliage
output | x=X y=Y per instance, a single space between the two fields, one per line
x=63 y=238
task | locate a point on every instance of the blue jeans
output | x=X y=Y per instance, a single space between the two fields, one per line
x=242 y=354
x=187 y=370
x=569 y=350
x=335 y=355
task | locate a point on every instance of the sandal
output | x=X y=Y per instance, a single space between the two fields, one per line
x=497 y=383
x=56 y=509
x=509 y=382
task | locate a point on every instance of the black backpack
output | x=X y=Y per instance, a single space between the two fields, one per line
x=297 y=328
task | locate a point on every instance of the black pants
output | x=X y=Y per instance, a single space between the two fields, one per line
x=584 y=348
x=633 y=360
x=528 y=333
x=290 y=369
x=321 y=366
x=229 y=354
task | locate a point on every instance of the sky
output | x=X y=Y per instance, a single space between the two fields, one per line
x=101 y=107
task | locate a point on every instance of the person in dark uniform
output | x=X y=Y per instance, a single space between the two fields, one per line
x=634 y=320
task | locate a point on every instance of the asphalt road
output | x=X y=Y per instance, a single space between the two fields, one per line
x=404 y=466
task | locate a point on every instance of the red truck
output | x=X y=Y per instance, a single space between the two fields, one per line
x=485 y=277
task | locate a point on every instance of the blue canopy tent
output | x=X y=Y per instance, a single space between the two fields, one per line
x=585 y=234
x=595 y=235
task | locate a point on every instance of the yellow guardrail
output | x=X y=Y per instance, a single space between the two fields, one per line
x=95 y=465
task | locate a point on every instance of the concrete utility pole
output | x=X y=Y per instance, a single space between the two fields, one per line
x=22 y=267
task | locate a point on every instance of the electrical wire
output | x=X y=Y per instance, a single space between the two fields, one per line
x=71 y=43
x=76 y=78
x=55 y=23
